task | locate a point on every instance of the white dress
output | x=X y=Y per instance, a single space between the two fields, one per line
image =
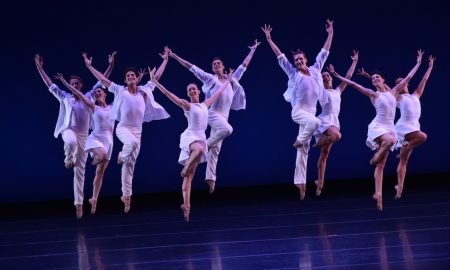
x=101 y=135
x=410 y=111
x=197 y=118
x=384 y=120
x=330 y=112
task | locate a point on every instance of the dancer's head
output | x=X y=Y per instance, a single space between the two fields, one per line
x=131 y=76
x=100 y=94
x=76 y=82
x=327 y=80
x=193 y=92
x=217 y=65
x=404 y=90
x=300 y=59
x=377 y=79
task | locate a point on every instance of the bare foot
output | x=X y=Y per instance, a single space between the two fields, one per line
x=297 y=144
x=93 y=205
x=212 y=185
x=186 y=211
x=127 y=203
x=319 y=187
x=79 y=211
x=399 y=190
x=302 y=188
x=379 y=200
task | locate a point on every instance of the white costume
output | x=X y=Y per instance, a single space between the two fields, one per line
x=131 y=110
x=233 y=97
x=101 y=135
x=73 y=125
x=384 y=120
x=330 y=112
x=303 y=93
x=197 y=118
x=410 y=111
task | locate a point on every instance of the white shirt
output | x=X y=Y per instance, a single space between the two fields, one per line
x=80 y=117
x=132 y=109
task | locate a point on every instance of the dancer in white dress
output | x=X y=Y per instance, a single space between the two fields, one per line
x=132 y=106
x=328 y=131
x=305 y=88
x=100 y=142
x=193 y=142
x=409 y=135
x=232 y=99
x=381 y=131
x=73 y=125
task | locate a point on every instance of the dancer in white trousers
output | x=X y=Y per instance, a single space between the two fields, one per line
x=132 y=106
x=73 y=125
x=100 y=142
x=409 y=135
x=233 y=97
x=193 y=142
x=329 y=129
x=381 y=132
x=305 y=88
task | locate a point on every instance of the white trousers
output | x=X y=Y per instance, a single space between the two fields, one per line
x=308 y=123
x=220 y=129
x=131 y=139
x=74 y=150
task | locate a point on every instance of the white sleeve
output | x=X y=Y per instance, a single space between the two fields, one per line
x=285 y=64
x=115 y=88
x=201 y=75
x=320 y=59
x=58 y=93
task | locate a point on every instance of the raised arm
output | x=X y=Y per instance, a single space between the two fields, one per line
x=76 y=92
x=39 y=61
x=178 y=101
x=97 y=74
x=210 y=101
x=250 y=54
x=350 y=71
x=421 y=87
x=329 y=28
x=396 y=89
x=162 y=67
x=180 y=60
x=267 y=29
x=365 y=91
x=111 y=64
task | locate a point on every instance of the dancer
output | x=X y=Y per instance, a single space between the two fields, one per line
x=232 y=98
x=328 y=131
x=132 y=106
x=305 y=88
x=381 y=132
x=193 y=140
x=409 y=135
x=73 y=125
x=100 y=142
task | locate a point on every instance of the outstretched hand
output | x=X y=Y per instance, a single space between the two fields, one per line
x=355 y=55
x=329 y=26
x=141 y=74
x=419 y=56
x=330 y=68
x=363 y=73
x=87 y=60
x=229 y=74
x=267 y=29
x=254 y=46
x=431 y=60
x=152 y=72
x=111 y=57
x=59 y=76
x=166 y=53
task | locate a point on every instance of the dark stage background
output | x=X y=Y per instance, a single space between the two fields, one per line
x=387 y=34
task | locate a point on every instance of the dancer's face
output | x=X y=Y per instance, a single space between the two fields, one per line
x=217 y=66
x=99 y=94
x=75 y=83
x=377 y=80
x=327 y=79
x=300 y=61
x=130 y=77
x=192 y=91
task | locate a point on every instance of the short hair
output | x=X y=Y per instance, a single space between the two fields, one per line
x=132 y=69
x=379 y=72
x=298 y=51
x=217 y=58
x=75 y=77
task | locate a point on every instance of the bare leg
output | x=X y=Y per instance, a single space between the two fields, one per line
x=98 y=155
x=385 y=142
x=321 y=165
x=378 y=174
x=79 y=210
x=414 y=139
x=99 y=173
x=331 y=135
x=401 y=172
x=197 y=150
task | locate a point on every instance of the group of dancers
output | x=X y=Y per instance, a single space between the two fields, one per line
x=134 y=104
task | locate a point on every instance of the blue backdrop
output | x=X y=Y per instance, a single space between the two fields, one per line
x=387 y=35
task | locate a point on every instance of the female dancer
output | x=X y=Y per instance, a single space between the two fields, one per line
x=193 y=143
x=100 y=142
x=409 y=135
x=328 y=131
x=381 y=131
